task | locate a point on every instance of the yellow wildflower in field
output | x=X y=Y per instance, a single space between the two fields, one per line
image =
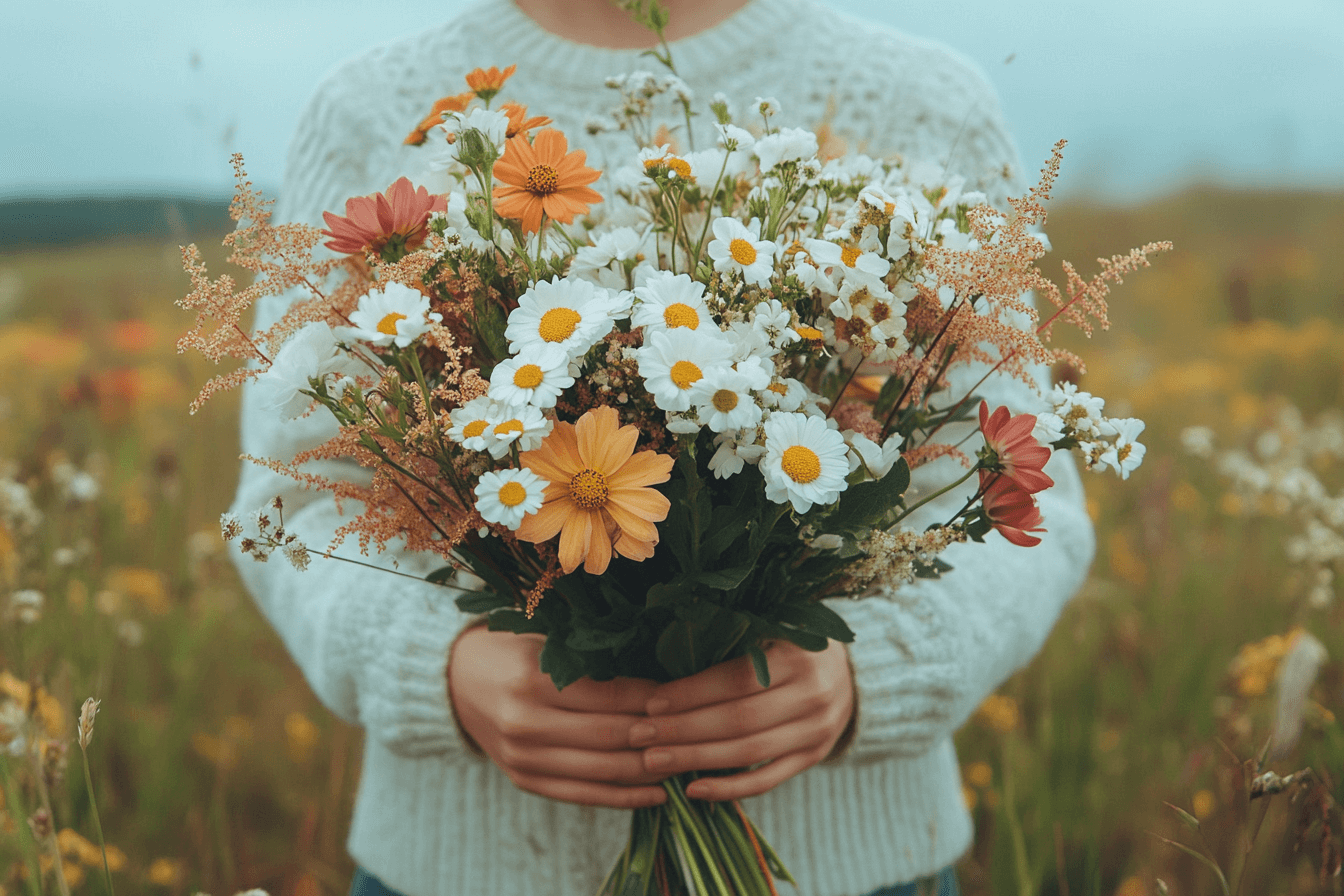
x=1256 y=664
x=1133 y=886
x=1203 y=804
x=166 y=872
x=146 y=586
x=301 y=737
x=999 y=713
x=49 y=710
x=979 y=774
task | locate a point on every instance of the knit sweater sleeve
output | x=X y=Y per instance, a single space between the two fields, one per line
x=373 y=645
x=927 y=653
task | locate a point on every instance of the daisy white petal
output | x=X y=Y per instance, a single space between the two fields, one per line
x=805 y=461
x=393 y=314
x=505 y=497
x=536 y=378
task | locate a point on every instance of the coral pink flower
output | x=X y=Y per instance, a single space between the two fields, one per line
x=1011 y=509
x=1017 y=453
x=388 y=224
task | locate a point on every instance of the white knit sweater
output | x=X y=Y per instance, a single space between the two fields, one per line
x=433 y=818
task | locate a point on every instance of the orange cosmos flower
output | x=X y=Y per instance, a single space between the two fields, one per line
x=543 y=177
x=456 y=103
x=389 y=224
x=485 y=83
x=519 y=123
x=598 y=492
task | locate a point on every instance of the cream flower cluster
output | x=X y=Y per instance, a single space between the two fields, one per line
x=1284 y=474
x=1102 y=443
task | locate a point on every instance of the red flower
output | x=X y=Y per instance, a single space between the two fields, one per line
x=1011 y=509
x=388 y=224
x=1017 y=454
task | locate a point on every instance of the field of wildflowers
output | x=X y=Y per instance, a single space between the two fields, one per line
x=1202 y=627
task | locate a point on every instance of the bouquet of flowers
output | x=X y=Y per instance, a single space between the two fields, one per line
x=661 y=432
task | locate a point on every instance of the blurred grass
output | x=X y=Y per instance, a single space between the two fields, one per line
x=216 y=769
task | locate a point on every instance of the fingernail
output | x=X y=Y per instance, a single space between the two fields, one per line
x=655 y=759
x=657 y=705
x=642 y=733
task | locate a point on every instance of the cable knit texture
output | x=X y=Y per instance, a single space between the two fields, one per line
x=432 y=817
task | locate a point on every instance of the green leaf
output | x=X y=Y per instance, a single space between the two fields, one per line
x=676 y=649
x=598 y=639
x=759 y=663
x=728 y=525
x=816 y=618
x=724 y=579
x=805 y=640
x=565 y=666
x=891 y=390
x=482 y=602
x=441 y=576
x=863 y=506
x=515 y=621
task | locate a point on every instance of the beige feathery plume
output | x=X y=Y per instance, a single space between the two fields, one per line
x=86 y=714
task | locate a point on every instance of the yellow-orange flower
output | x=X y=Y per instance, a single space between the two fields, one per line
x=519 y=123
x=598 y=498
x=485 y=83
x=456 y=103
x=543 y=177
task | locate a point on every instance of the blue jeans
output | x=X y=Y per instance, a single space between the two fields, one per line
x=944 y=883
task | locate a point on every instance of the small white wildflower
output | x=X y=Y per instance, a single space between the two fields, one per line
x=297 y=554
x=25 y=606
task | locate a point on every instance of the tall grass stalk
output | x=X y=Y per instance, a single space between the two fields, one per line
x=97 y=822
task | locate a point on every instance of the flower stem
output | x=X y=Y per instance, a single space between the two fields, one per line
x=942 y=491
x=97 y=822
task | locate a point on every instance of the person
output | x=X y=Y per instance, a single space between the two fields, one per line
x=478 y=776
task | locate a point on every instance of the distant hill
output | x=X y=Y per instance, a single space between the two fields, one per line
x=34 y=223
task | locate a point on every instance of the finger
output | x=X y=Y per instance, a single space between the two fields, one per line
x=722 y=721
x=586 y=793
x=565 y=728
x=726 y=681
x=751 y=783
x=763 y=746
x=619 y=695
x=583 y=765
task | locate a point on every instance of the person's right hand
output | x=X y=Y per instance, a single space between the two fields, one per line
x=571 y=745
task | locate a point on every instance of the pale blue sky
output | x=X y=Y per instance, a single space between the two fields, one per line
x=153 y=95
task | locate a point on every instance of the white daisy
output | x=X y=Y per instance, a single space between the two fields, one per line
x=787 y=395
x=723 y=400
x=667 y=301
x=619 y=244
x=775 y=322
x=505 y=497
x=570 y=314
x=445 y=138
x=878 y=459
x=472 y=422
x=735 y=450
x=849 y=261
x=1080 y=411
x=805 y=461
x=733 y=138
x=524 y=424
x=785 y=145
x=312 y=352
x=672 y=362
x=1049 y=428
x=740 y=249
x=537 y=378
x=1125 y=454
x=395 y=313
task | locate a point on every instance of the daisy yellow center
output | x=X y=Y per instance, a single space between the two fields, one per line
x=778 y=388
x=543 y=179
x=511 y=494
x=508 y=427
x=558 y=324
x=653 y=164
x=743 y=252
x=685 y=374
x=388 y=324
x=849 y=255
x=474 y=428
x=589 y=489
x=681 y=166
x=1122 y=452
x=801 y=464
x=529 y=376
x=809 y=332
x=725 y=400
x=679 y=314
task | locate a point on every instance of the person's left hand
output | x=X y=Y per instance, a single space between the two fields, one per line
x=722 y=718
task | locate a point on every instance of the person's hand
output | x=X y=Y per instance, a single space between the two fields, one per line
x=571 y=745
x=722 y=718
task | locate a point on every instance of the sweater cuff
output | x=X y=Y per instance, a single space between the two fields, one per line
x=404 y=699
x=904 y=698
